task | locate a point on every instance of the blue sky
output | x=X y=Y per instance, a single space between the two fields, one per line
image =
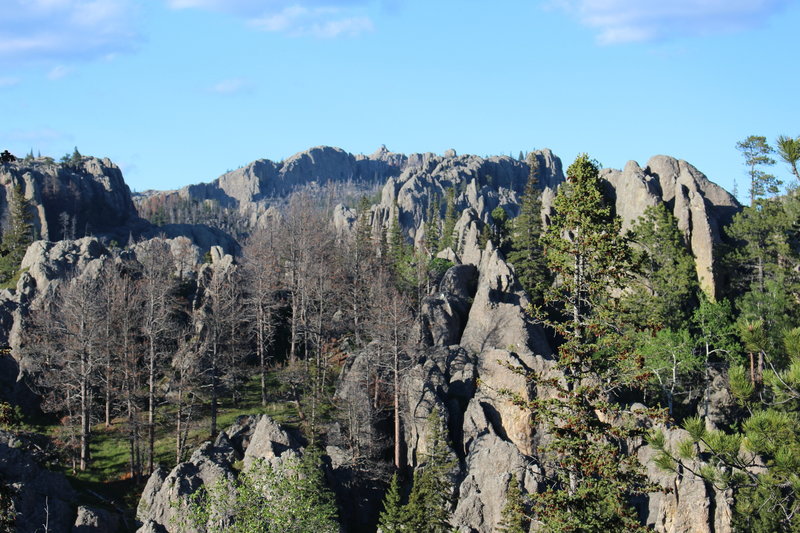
x=179 y=91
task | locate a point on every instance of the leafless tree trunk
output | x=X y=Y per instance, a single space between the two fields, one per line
x=262 y=277
x=157 y=287
x=220 y=325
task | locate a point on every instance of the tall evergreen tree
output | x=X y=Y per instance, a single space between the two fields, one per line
x=590 y=480
x=433 y=232
x=500 y=229
x=449 y=223
x=392 y=518
x=400 y=255
x=17 y=236
x=762 y=263
x=756 y=152
x=430 y=501
x=526 y=252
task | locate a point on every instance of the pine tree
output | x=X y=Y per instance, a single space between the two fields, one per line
x=526 y=252
x=766 y=489
x=433 y=234
x=514 y=517
x=17 y=236
x=76 y=158
x=500 y=231
x=665 y=290
x=756 y=152
x=400 y=255
x=449 y=224
x=789 y=152
x=591 y=480
x=392 y=518
x=429 y=502
x=762 y=263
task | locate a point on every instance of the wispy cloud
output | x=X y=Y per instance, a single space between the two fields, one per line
x=232 y=86
x=315 y=18
x=321 y=22
x=627 y=21
x=9 y=81
x=58 y=72
x=66 y=29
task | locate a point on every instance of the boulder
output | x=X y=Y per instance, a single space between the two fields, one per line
x=94 y=520
x=271 y=443
x=39 y=495
x=165 y=492
x=88 y=197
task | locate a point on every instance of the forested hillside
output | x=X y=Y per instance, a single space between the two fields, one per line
x=488 y=344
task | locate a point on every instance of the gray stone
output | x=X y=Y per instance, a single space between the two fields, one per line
x=94 y=520
x=700 y=206
x=92 y=194
x=271 y=443
x=490 y=461
x=497 y=318
x=691 y=505
x=40 y=496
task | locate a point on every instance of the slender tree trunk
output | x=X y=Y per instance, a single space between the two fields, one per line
x=260 y=324
x=84 y=416
x=214 y=392
x=179 y=422
x=151 y=407
x=396 y=415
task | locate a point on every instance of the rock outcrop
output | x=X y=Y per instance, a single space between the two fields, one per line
x=251 y=437
x=89 y=197
x=44 y=500
x=700 y=206
x=263 y=180
x=688 y=504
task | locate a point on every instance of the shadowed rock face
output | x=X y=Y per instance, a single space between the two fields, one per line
x=44 y=498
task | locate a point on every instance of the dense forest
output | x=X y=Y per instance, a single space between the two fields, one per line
x=152 y=346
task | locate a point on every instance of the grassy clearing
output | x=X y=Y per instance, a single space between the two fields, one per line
x=106 y=482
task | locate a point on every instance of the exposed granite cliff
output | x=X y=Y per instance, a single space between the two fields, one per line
x=700 y=206
x=86 y=198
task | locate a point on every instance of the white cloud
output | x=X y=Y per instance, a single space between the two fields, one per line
x=9 y=82
x=625 y=21
x=321 y=22
x=316 y=18
x=66 y=29
x=58 y=72
x=231 y=86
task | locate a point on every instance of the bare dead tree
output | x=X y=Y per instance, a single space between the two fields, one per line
x=220 y=326
x=157 y=288
x=392 y=323
x=262 y=274
x=65 y=340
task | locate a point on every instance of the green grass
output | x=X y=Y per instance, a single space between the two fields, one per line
x=107 y=474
